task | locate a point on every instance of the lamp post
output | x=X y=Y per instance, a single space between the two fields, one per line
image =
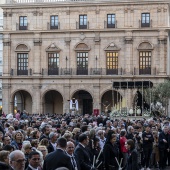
x=66 y=62
x=96 y=62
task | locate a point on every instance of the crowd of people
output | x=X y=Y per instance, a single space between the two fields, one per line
x=83 y=142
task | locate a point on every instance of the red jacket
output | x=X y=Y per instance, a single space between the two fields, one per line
x=122 y=144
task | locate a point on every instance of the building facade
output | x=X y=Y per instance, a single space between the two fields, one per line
x=55 y=51
x=1 y=52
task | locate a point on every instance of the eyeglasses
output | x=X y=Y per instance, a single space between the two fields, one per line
x=20 y=160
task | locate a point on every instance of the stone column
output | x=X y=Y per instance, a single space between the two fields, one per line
x=128 y=65
x=36 y=100
x=162 y=41
x=6 y=55
x=97 y=50
x=96 y=97
x=37 y=54
x=168 y=54
x=67 y=98
x=6 y=101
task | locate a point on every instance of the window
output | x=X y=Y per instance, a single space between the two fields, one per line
x=83 y=22
x=82 y=63
x=111 y=21
x=22 y=64
x=112 y=62
x=145 y=21
x=23 y=23
x=53 y=63
x=54 y=22
x=145 y=62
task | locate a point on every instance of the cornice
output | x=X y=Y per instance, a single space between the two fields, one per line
x=88 y=30
x=60 y=4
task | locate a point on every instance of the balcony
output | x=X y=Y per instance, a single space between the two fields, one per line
x=82 y=71
x=106 y=25
x=145 y=25
x=146 y=71
x=53 y=71
x=50 y=27
x=78 y=26
x=16 y=72
x=153 y=71
x=18 y=27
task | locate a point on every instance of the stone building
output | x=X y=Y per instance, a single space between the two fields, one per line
x=1 y=51
x=54 y=51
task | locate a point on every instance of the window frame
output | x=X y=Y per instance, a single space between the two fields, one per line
x=145 y=62
x=55 y=26
x=23 y=23
x=112 y=62
x=54 y=70
x=82 y=62
x=145 y=20
x=22 y=64
x=83 y=21
x=112 y=20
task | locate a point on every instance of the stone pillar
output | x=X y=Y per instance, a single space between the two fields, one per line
x=66 y=61
x=37 y=54
x=36 y=100
x=128 y=65
x=6 y=101
x=96 y=63
x=162 y=41
x=168 y=54
x=96 y=97
x=6 y=55
x=67 y=98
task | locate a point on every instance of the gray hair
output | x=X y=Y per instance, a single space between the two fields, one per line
x=13 y=154
x=129 y=128
x=51 y=135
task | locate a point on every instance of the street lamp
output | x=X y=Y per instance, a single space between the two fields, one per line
x=66 y=62
x=96 y=62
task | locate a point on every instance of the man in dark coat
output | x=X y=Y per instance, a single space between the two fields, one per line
x=58 y=158
x=34 y=160
x=82 y=153
x=70 y=152
x=164 y=146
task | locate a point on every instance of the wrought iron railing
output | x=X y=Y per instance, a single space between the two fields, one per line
x=16 y=72
x=90 y=71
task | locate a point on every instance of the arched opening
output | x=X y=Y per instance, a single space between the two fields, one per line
x=22 y=100
x=53 y=102
x=85 y=102
x=111 y=100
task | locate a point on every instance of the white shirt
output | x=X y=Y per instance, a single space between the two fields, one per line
x=54 y=145
x=102 y=142
x=32 y=167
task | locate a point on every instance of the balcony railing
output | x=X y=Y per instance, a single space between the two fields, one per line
x=50 y=27
x=90 y=71
x=78 y=26
x=16 y=72
x=146 y=71
x=18 y=27
x=145 y=25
